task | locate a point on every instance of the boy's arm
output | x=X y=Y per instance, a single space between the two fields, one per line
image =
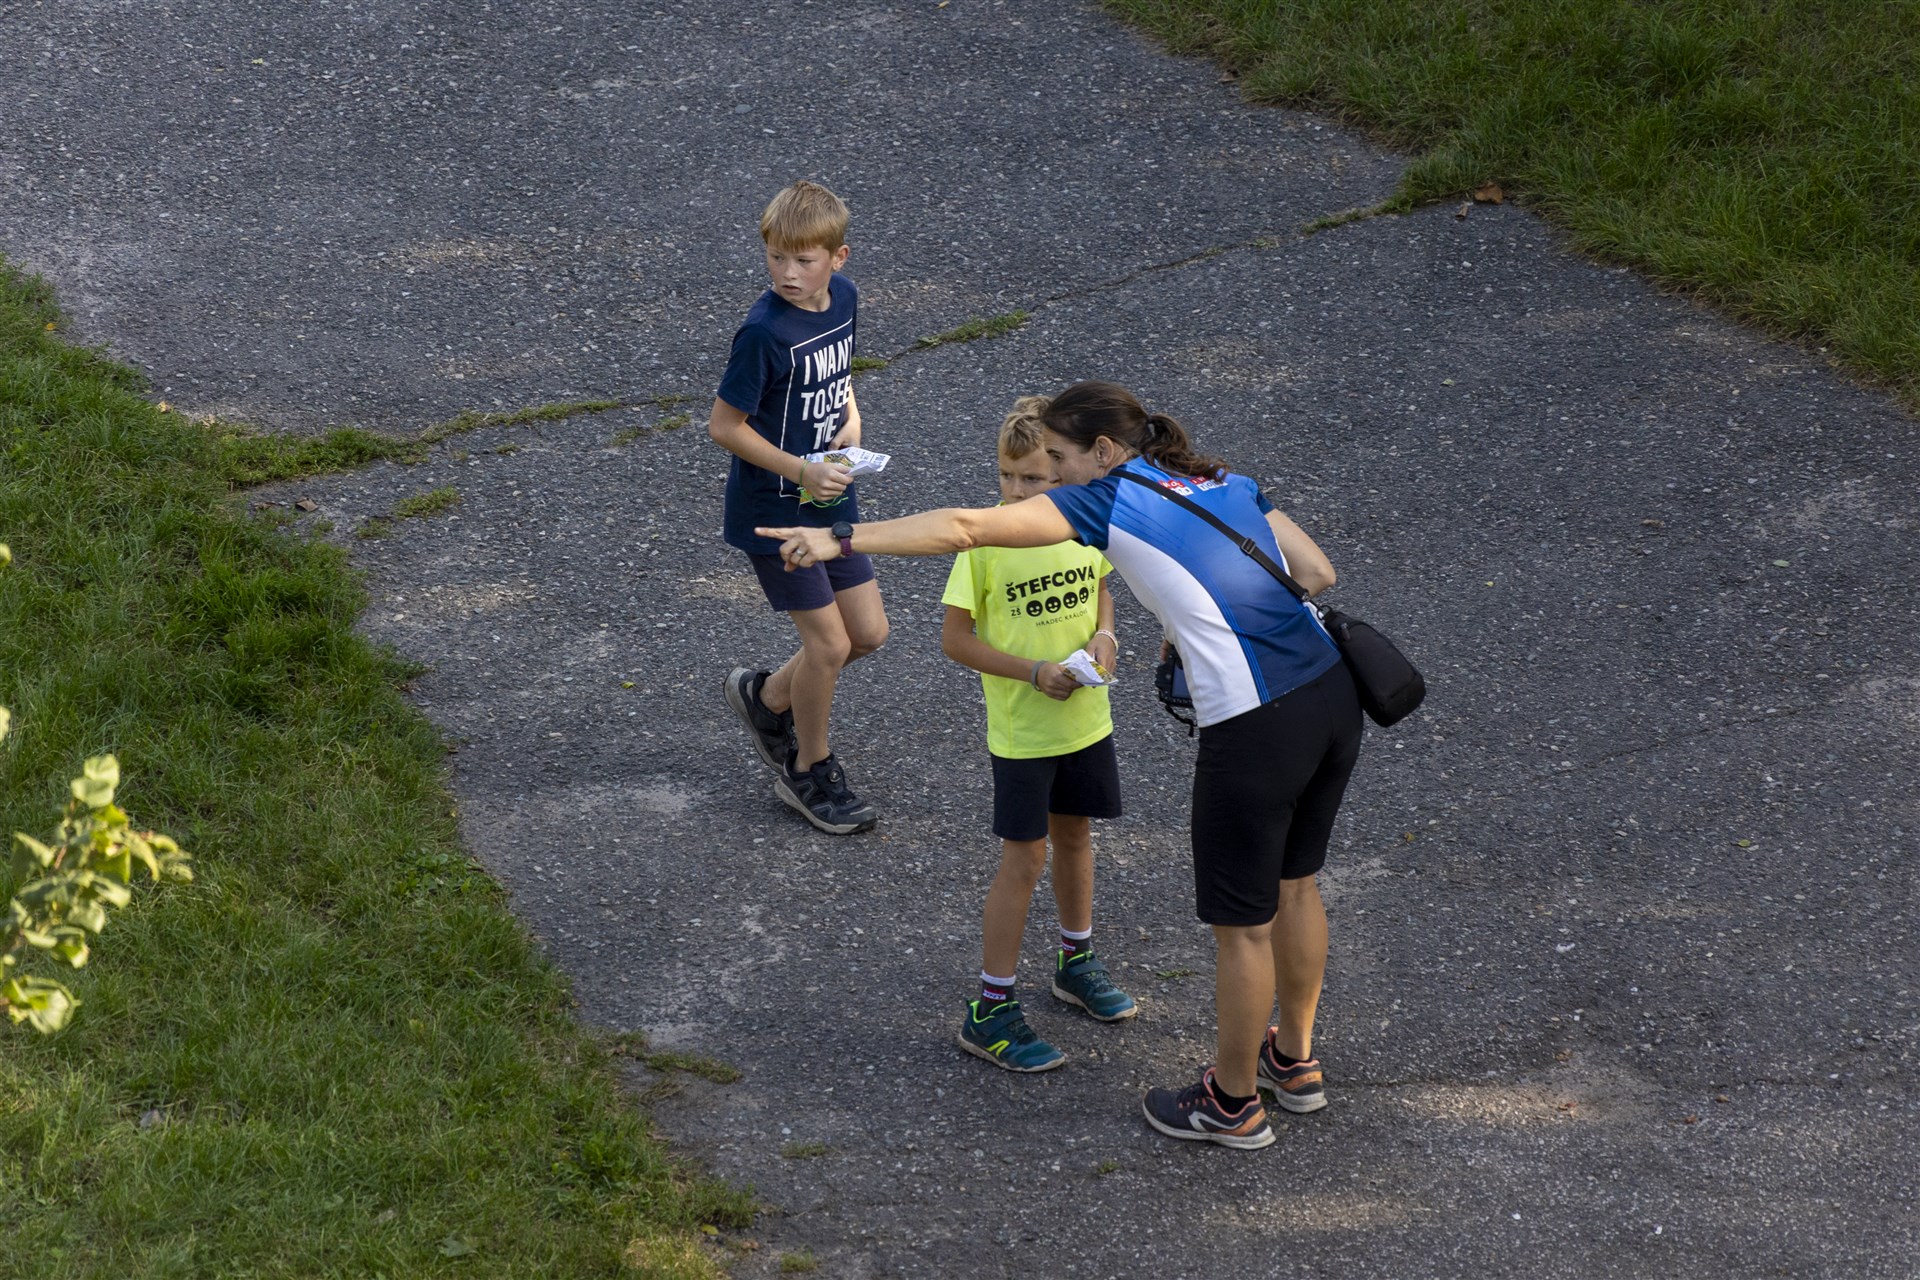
x=959 y=641
x=849 y=433
x=728 y=427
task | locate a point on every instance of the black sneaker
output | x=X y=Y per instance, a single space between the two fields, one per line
x=772 y=733
x=1194 y=1114
x=822 y=797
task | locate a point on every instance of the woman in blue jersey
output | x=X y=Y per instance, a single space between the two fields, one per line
x=1279 y=722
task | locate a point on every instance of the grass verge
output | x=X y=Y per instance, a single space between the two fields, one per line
x=627 y=435
x=336 y=1053
x=1764 y=154
x=974 y=330
x=244 y=457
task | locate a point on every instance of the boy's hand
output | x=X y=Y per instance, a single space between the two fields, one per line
x=824 y=479
x=846 y=437
x=1056 y=681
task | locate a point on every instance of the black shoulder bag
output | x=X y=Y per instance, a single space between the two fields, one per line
x=1389 y=686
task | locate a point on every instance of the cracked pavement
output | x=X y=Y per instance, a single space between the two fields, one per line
x=1623 y=979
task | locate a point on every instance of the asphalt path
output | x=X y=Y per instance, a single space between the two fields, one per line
x=1623 y=978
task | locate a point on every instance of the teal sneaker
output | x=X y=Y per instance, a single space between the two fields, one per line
x=1081 y=979
x=1003 y=1038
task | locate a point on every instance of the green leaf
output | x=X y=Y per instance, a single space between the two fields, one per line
x=72 y=947
x=90 y=916
x=94 y=886
x=48 y=893
x=92 y=793
x=40 y=1001
x=41 y=854
x=98 y=778
x=456 y=1247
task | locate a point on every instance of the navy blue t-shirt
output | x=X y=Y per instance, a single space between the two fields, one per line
x=791 y=373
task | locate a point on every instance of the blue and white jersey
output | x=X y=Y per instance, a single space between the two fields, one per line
x=1244 y=638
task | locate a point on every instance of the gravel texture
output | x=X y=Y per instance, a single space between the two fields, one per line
x=1624 y=980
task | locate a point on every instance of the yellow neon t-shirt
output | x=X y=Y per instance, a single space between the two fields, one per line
x=1037 y=603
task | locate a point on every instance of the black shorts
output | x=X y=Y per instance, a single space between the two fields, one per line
x=814 y=587
x=1265 y=788
x=1080 y=784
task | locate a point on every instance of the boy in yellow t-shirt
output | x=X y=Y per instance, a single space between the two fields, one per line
x=1014 y=614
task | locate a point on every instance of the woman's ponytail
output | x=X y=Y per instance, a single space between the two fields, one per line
x=1168 y=447
x=1086 y=411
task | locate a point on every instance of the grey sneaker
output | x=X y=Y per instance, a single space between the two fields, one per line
x=772 y=732
x=822 y=797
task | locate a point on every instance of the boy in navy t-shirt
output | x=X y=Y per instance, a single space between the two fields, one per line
x=788 y=392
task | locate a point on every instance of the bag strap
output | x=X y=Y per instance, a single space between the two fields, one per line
x=1248 y=545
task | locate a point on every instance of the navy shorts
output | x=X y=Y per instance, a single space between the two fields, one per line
x=812 y=587
x=1080 y=784
x=1266 y=786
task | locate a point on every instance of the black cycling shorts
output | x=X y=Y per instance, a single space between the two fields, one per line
x=1266 y=787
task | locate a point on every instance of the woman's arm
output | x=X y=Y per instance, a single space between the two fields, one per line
x=1104 y=647
x=1035 y=522
x=1307 y=564
x=959 y=641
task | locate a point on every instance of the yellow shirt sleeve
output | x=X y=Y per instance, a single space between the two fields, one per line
x=961 y=590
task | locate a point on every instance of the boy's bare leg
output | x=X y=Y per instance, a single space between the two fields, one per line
x=1299 y=963
x=1085 y=981
x=1243 y=997
x=854 y=625
x=1003 y=922
x=1072 y=870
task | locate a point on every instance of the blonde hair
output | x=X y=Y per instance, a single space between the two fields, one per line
x=805 y=215
x=1020 y=431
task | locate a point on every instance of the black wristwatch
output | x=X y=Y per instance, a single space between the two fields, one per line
x=843 y=530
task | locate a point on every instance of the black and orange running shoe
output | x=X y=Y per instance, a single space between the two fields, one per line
x=1195 y=1114
x=1298 y=1088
